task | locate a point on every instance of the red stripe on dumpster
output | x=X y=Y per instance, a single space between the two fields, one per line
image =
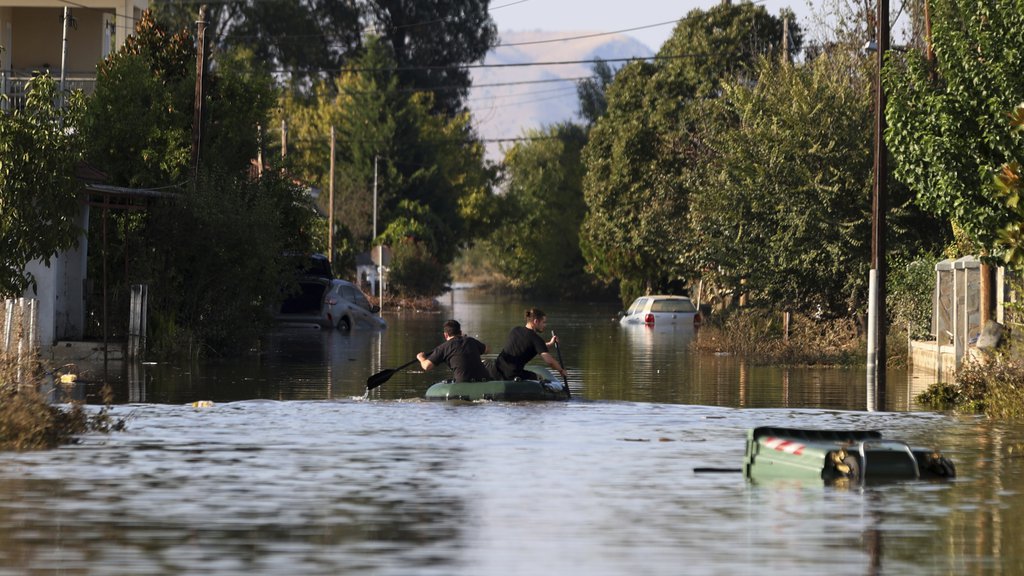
x=784 y=445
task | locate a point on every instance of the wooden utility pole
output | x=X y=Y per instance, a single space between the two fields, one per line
x=197 y=118
x=284 y=138
x=877 y=325
x=330 y=207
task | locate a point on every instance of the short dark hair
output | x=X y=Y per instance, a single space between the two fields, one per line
x=452 y=328
x=535 y=314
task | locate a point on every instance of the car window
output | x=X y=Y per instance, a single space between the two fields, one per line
x=673 y=306
x=347 y=292
x=638 y=305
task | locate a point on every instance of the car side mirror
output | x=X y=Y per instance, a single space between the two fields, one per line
x=374 y=308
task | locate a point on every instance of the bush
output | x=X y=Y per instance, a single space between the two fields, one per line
x=994 y=386
x=29 y=422
x=415 y=273
x=910 y=286
x=757 y=336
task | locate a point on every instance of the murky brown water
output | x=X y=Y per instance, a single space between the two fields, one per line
x=293 y=471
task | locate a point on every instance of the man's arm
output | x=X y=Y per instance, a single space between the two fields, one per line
x=553 y=363
x=424 y=363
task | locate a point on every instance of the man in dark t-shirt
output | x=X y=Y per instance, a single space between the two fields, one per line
x=461 y=353
x=522 y=345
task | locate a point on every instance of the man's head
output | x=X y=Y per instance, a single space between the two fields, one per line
x=452 y=329
x=536 y=319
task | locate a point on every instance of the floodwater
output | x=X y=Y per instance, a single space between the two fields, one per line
x=292 y=470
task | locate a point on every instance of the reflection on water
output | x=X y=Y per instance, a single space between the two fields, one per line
x=293 y=471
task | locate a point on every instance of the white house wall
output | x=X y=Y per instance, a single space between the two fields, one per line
x=60 y=291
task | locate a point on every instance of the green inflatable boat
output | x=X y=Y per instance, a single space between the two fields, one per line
x=500 y=390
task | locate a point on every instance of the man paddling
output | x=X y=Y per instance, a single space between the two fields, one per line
x=461 y=353
x=522 y=345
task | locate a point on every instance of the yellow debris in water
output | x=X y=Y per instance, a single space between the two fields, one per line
x=68 y=378
x=202 y=404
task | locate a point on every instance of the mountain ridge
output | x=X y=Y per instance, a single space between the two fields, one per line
x=508 y=101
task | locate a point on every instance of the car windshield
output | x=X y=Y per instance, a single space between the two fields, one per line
x=673 y=306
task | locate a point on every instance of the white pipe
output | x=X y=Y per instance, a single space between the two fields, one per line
x=872 y=337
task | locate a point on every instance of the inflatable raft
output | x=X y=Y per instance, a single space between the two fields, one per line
x=499 y=390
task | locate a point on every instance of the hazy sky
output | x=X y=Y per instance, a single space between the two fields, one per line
x=612 y=15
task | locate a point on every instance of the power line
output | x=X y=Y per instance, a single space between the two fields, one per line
x=594 y=35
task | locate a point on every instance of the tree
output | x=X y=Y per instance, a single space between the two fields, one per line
x=537 y=244
x=40 y=147
x=429 y=160
x=592 y=92
x=644 y=152
x=945 y=115
x=1009 y=186
x=138 y=124
x=214 y=256
x=429 y=41
x=784 y=203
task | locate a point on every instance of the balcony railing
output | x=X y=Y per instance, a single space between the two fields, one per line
x=13 y=85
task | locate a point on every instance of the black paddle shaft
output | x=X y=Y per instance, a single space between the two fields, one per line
x=565 y=381
x=385 y=375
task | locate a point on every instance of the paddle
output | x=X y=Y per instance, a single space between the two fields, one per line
x=385 y=375
x=568 y=394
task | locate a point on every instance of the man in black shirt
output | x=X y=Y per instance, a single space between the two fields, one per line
x=462 y=353
x=522 y=345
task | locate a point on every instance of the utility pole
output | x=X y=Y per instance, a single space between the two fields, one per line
x=64 y=58
x=330 y=208
x=877 y=325
x=197 y=118
x=284 y=138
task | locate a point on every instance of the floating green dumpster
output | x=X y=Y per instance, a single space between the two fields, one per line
x=860 y=456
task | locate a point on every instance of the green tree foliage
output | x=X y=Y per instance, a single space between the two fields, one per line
x=1008 y=187
x=138 y=125
x=591 y=92
x=430 y=41
x=414 y=272
x=213 y=256
x=644 y=152
x=945 y=116
x=785 y=202
x=215 y=287
x=536 y=244
x=428 y=160
x=40 y=147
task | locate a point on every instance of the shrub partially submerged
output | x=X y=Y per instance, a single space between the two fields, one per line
x=994 y=387
x=758 y=336
x=29 y=422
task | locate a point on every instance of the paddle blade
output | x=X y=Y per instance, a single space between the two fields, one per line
x=385 y=375
x=379 y=378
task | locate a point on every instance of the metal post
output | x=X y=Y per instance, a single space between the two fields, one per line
x=380 y=247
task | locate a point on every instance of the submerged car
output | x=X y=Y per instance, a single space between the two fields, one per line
x=329 y=303
x=662 y=309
